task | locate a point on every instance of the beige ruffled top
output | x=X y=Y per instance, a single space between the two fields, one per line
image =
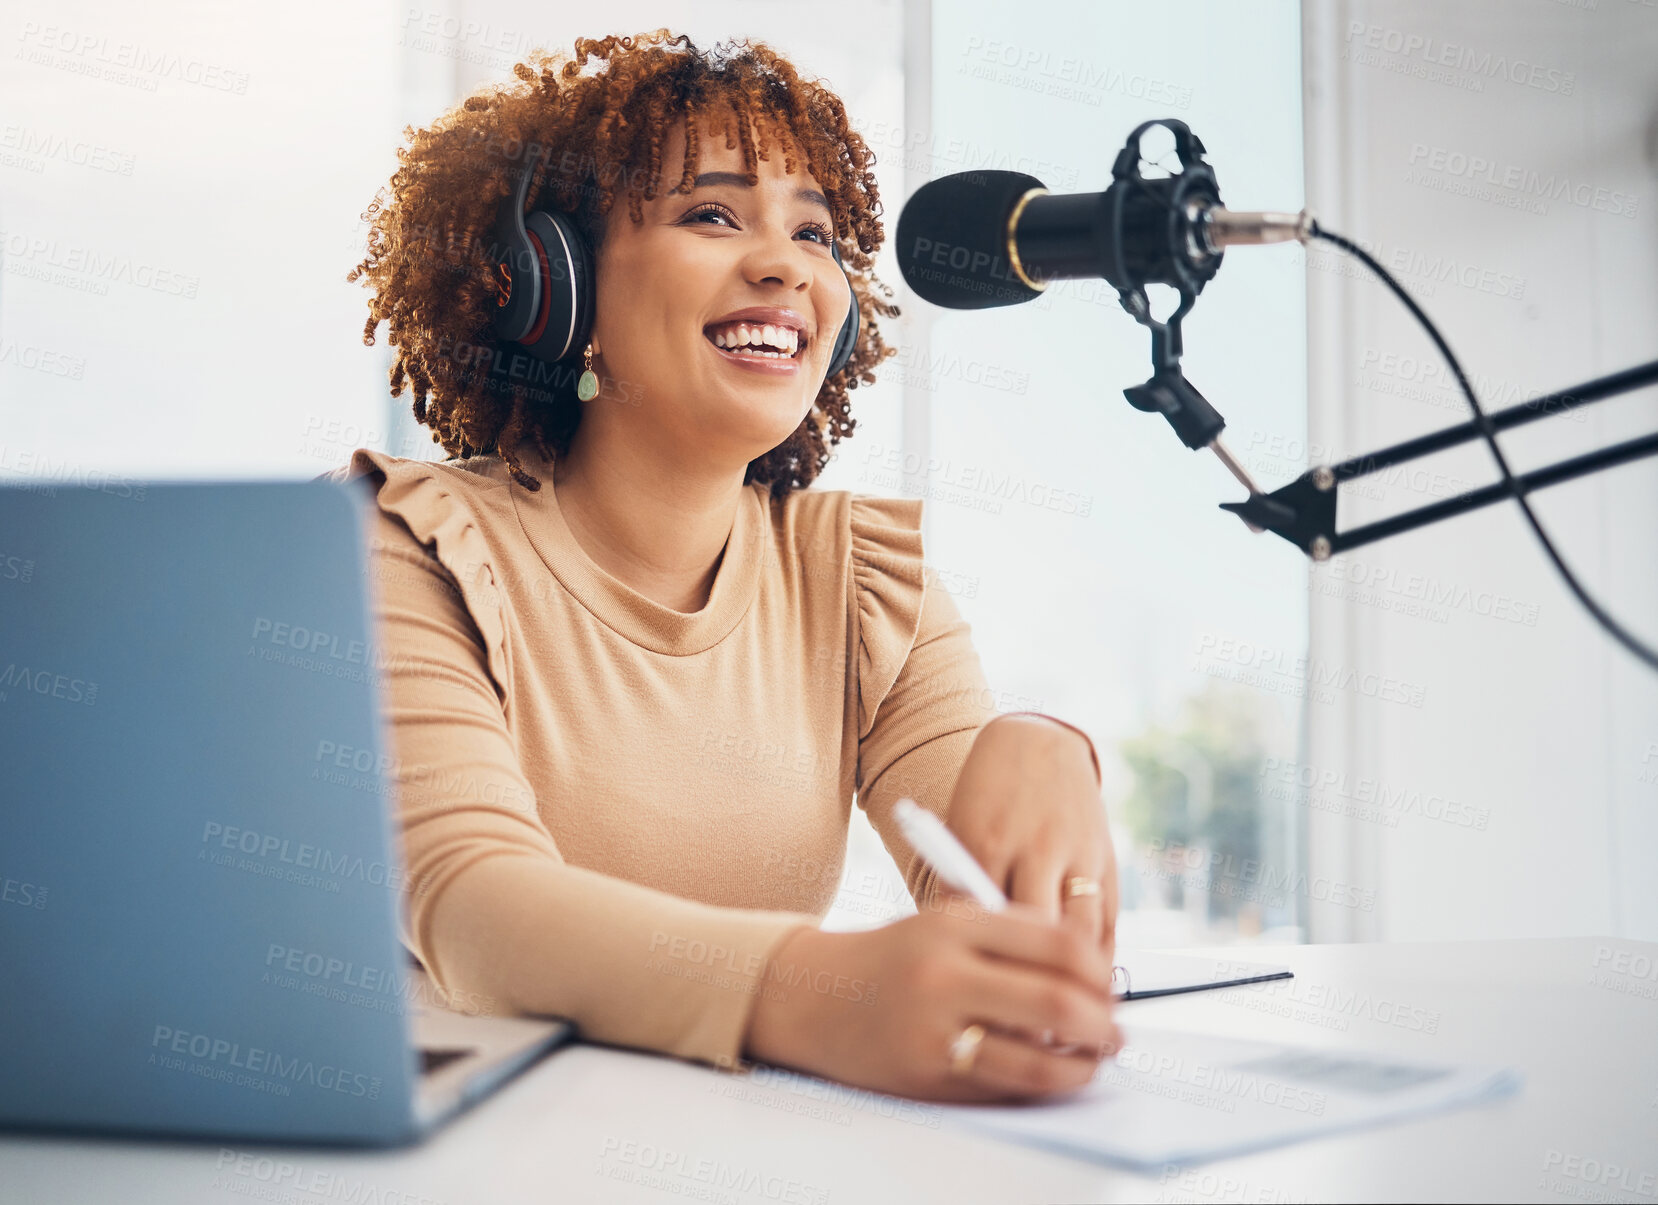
x=613 y=811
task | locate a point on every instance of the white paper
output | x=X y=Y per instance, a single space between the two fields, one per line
x=1176 y=1098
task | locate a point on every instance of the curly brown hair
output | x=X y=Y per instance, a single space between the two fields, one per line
x=433 y=271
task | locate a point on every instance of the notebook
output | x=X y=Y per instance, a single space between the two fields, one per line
x=1141 y=974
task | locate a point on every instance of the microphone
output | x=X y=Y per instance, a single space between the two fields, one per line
x=981 y=239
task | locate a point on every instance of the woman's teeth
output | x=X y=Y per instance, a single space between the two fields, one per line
x=765 y=341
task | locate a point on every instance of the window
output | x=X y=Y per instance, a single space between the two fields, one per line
x=1080 y=538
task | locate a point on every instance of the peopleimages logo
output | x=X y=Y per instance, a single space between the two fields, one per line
x=96 y=267
x=1211 y=1085
x=1438 y=61
x=698 y=953
x=16 y=569
x=1526 y=186
x=43 y=473
x=699 y=1177
x=1036 y=68
x=343 y=981
x=1266 y=880
x=268 y=1179
x=1625 y=971
x=48 y=360
x=127 y=63
x=1430 y=590
x=48 y=682
x=224 y=1058
x=1269 y=668
x=310 y=640
x=40 y=145
x=299 y=856
x=25 y=895
x=1605 y=1176
x=993 y=485
x=1386 y=799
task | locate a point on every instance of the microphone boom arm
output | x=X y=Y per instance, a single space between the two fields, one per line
x=1304 y=511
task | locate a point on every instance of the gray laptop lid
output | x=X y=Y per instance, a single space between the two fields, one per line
x=198 y=886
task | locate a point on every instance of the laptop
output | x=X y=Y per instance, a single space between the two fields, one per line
x=200 y=883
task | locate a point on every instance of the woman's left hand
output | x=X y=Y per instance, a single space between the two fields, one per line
x=1027 y=806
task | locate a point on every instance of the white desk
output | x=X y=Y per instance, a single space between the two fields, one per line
x=1585 y=1036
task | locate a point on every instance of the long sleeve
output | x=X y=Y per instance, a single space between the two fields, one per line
x=496 y=912
x=923 y=698
x=922 y=695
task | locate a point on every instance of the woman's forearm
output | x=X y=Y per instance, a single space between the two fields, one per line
x=630 y=965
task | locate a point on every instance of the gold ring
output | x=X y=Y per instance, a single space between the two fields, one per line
x=1080 y=885
x=964 y=1051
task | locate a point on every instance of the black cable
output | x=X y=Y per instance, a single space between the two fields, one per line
x=1629 y=640
x=1515 y=489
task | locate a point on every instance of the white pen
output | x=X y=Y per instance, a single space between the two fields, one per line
x=945 y=854
x=958 y=868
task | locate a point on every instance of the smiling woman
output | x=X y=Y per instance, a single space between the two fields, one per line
x=692 y=142
x=637 y=671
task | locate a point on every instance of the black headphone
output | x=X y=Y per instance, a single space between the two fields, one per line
x=544 y=269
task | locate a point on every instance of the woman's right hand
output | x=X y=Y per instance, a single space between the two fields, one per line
x=893 y=999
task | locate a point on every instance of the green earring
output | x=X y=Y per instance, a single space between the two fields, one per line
x=588 y=387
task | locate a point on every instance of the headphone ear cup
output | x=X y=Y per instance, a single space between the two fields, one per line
x=847 y=338
x=519 y=277
x=565 y=316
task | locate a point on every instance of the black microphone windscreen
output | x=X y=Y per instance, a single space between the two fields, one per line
x=952 y=240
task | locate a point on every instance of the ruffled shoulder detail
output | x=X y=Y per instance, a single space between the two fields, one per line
x=888 y=581
x=432 y=500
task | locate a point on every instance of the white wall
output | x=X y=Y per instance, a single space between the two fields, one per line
x=1532 y=718
x=180 y=187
